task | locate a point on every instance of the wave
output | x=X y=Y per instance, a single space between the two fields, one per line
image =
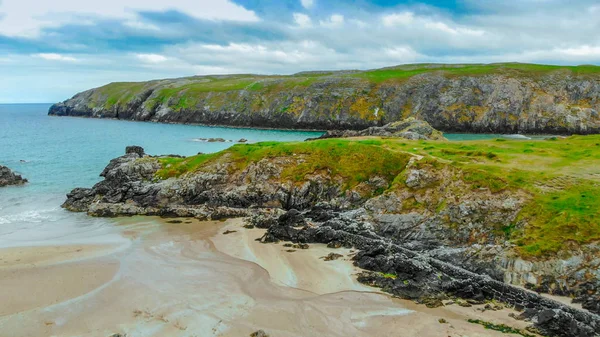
x=516 y=136
x=31 y=216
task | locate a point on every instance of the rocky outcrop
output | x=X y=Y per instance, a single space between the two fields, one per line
x=131 y=188
x=425 y=233
x=480 y=99
x=409 y=128
x=8 y=177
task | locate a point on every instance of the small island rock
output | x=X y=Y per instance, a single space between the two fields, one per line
x=8 y=177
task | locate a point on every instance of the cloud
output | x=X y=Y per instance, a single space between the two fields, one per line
x=55 y=57
x=409 y=19
x=584 y=52
x=334 y=20
x=138 y=24
x=151 y=58
x=302 y=20
x=28 y=17
x=403 y=18
x=455 y=31
x=149 y=39
x=308 y=4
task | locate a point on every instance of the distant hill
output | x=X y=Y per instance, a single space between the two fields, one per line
x=496 y=98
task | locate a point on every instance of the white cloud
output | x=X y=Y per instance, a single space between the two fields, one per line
x=581 y=51
x=137 y=24
x=302 y=20
x=417 y=22
x=308 y=4
x=403 y=54
x=455 y=31
x=151 y=58
x=403 y=18
x=55 y=57
x=27 y=17
x=335 y=20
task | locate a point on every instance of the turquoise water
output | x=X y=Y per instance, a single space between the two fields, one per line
x=58 y=154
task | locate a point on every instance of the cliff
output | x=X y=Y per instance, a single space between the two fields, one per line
x=433 y=219
x=495 y=98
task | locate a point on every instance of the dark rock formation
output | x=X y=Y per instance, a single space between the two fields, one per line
x=8 y=177
x=409 y=128
x=503 y=100
x=129 y=188
x=412 y=275
x=259 y=333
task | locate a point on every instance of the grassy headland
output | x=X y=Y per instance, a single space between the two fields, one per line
x=560 y=176
x=475 y=98
x=186 y=92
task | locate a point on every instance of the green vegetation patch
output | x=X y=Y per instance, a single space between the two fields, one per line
x=407 y=71
x=557 y=218
x=561 y=177
x=500 y=327
x=175 y=167
x=353 y=162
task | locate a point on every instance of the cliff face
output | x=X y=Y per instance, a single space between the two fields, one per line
x=501 y=98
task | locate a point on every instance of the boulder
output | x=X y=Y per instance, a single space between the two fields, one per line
x=410 y=128
x=8 y=177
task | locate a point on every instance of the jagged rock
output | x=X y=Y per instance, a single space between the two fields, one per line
x=409 y=128
x=135 y=149
x=211 y=140
x=8 y=177
x=243 y=140
x=332 y=257
x=259 y=333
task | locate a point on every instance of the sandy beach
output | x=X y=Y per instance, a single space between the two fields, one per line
x=191 y=279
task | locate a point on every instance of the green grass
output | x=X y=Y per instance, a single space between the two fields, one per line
x=561 y=176
x=175 y=167
x=390 y=276
x=351 y=161
x=404 y=72
x=500 y=327
x=557 y=218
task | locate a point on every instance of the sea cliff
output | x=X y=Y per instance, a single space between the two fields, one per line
x=495 y=98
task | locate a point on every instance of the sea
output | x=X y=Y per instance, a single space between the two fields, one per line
x=57 y=154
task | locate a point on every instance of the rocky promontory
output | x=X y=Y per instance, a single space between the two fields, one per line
x=8 y=177
x=496 y=98
x=409 y=128
x=434 y=221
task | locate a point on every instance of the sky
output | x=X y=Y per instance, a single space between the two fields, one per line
x=50 y=50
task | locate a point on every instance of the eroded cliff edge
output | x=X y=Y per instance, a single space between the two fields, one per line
x=433 y=219
x=497 y=98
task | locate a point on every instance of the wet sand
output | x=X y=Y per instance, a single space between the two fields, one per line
x=190 y=279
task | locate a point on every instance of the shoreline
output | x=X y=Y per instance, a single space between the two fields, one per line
x=225 y=126
x=428 y=318
x=177 y=279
